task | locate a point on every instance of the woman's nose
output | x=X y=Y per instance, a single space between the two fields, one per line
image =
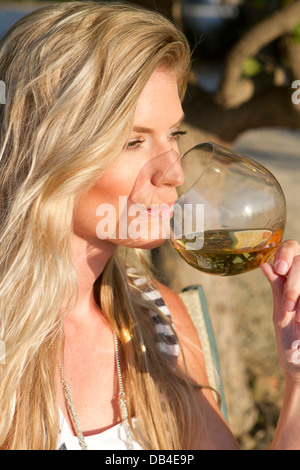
x=168 y=170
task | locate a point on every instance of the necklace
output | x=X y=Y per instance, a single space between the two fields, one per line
x=122 y=403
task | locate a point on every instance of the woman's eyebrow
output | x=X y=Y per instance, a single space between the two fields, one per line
x=148 y=130
x=142 y=130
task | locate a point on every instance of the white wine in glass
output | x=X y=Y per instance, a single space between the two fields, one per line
x=230 y=252
x=244 y=212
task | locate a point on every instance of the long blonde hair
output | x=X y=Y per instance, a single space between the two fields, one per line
x=73 y=74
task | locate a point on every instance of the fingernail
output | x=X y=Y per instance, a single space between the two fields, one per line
x=289 y=305
x=281 y=267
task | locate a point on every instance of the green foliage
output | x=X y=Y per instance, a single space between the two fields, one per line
x=285 y=3
x=265 y=4
x=258 y=4
x=251 y=67
x=296 y=33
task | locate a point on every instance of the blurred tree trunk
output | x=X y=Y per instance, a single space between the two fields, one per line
x=234 y=89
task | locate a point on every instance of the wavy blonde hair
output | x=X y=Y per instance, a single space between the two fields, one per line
x=73 y=74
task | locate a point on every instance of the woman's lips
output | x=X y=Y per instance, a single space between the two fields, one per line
x=161 y=204
x=164 y=209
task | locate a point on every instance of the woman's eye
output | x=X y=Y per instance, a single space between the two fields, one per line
x=137 y=143
x=176 y=135
x=134 y=144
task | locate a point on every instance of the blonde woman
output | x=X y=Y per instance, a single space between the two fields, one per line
x=92 y=361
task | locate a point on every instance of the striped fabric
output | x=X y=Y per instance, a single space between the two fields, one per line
x=165 y=337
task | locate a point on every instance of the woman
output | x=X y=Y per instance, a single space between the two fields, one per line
x=92 y=115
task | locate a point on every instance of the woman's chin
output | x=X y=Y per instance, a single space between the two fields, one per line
x=144 y=244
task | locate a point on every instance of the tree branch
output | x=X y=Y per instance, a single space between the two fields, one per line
x=234 y=89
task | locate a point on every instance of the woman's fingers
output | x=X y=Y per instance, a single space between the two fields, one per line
x=292 y=288
x=274 y=279
x=285 y=255
x=277 y=284
x=284 y=278
x=287 y=262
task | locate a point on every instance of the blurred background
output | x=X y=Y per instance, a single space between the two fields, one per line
x=242 y=94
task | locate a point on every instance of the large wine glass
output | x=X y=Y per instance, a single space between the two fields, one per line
x=230 y=213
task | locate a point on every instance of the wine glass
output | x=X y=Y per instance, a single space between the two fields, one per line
x=230 y=214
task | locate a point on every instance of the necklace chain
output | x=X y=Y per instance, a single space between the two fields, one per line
x=68 y=396
x=122 y=403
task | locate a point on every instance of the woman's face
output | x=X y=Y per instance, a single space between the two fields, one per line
x=118 y=207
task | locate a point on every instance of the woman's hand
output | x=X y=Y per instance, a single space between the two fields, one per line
x=284 y=278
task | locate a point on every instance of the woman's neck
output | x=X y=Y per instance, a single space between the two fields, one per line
x=89 y=262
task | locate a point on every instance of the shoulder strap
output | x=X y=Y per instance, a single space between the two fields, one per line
x=165 y=336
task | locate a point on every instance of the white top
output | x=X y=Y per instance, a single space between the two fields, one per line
x=113 y=438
